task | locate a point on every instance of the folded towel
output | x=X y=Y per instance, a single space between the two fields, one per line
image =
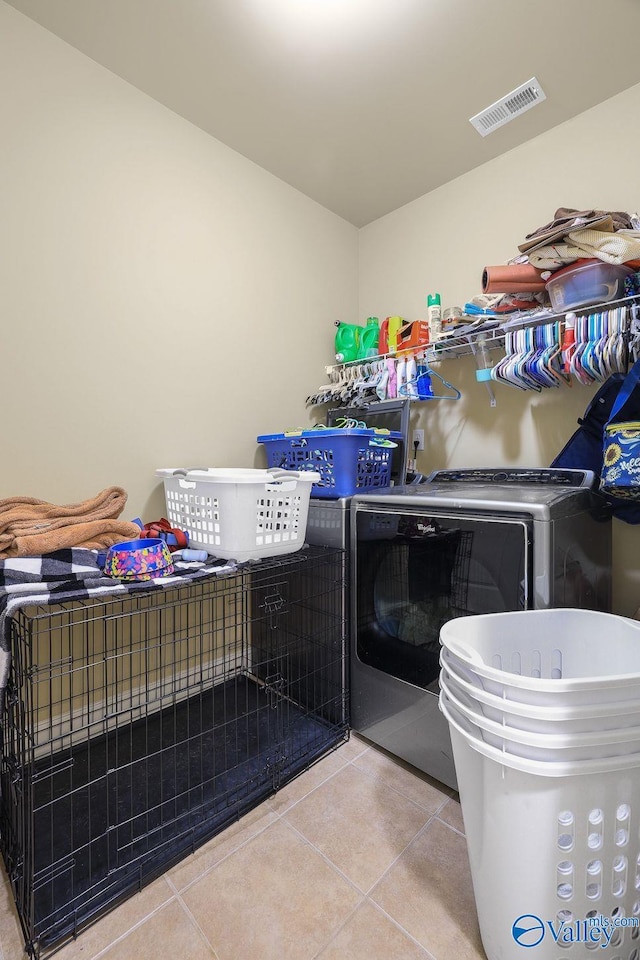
x=30 y=527
x=609 y=247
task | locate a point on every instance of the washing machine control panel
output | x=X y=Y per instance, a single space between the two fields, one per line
x=547 y=476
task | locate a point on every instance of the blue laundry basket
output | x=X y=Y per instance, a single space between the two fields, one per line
x=349 y=460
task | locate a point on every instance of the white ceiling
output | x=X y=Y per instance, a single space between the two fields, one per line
x=363 y=105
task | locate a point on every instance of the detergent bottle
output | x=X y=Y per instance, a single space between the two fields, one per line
x=369 y=339
x=424 y=388
x=393 y=328
x=347 y=341
x=383 y=341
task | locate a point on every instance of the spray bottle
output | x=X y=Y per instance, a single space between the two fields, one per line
x=434 y=316
x=568 y=341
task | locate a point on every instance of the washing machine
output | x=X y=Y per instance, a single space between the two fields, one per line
x=465 y=542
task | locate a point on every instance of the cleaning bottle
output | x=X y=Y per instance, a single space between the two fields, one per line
x=425 y=390
x=411 y=386
x=568 y=341
x=434 y=316
x=383 y=342
x=392 y=382
x=369 y=339
x=401 y=376
x=394 y=325
x=347 y=341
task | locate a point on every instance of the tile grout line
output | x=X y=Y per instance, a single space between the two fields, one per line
x=326 y=859
x=195 y=924
x=373 y=776
x=280 y=816
x=372 y=888
x=334 y=866
x=135 y=926
x=210 y=869
x=402 y=852
x=396 y=923
x=338 y=930
x=451 y=827
x=310 y=792
x=276 y=813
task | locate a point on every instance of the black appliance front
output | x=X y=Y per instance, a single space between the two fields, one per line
x=433 y=569
x=414 y=567
x=412 y=573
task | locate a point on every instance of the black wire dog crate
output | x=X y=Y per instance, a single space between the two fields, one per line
x=137 y=727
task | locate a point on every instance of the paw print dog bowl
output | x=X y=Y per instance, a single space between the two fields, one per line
x=139 y=560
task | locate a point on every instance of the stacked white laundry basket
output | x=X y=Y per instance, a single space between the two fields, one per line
x=544 y=712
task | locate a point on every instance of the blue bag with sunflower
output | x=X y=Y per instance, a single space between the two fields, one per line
x=620 y=475
x=610 y=446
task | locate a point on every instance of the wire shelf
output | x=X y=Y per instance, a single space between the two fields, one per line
x=451 y=346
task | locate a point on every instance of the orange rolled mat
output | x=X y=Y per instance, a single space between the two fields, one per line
x=512 y=278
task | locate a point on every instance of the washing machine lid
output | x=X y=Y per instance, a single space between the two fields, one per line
x=543 y=493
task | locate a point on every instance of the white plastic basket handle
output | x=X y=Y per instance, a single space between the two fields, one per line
x=180 y=474
x=462 y=651
x=288 y=479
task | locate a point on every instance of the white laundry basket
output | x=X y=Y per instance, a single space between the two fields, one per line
x=549 y=656
x=552 y=848
x=239 y=514
x=559 y=746
x=536 y=718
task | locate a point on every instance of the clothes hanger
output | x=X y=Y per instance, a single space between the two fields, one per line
x=434 y=373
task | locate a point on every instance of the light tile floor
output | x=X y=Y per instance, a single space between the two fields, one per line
x=360 y=858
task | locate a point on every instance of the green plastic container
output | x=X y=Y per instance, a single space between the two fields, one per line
x=369 y=339
x=347 y=341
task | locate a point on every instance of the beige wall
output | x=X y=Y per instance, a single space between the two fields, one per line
x=442 y=241
x=164 y=300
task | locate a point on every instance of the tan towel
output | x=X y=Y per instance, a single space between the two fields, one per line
x=30 y=527
x=609 y=247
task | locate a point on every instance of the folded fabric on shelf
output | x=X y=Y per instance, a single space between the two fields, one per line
x=566 y=219
x=554 y=256
x=31 y=527
x=616 y=247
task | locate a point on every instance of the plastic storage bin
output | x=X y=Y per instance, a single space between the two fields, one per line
x=585 y=283
x=239 y=514
x=348 y=461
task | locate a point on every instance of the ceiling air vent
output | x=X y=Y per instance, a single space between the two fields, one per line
x=524 y=97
